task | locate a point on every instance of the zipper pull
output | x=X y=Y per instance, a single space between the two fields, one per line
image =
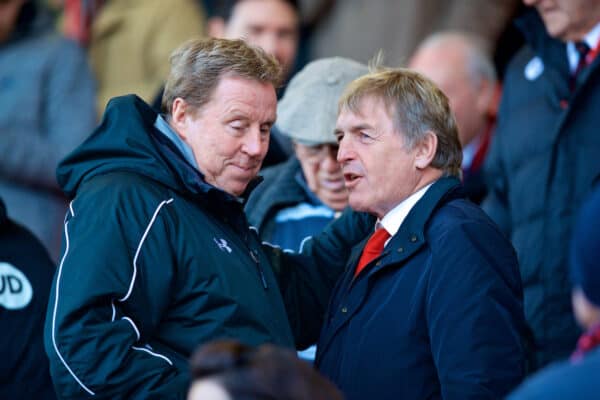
x=254 y=256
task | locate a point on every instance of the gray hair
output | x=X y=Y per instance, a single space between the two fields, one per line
x=416 y=106
x=198 y=64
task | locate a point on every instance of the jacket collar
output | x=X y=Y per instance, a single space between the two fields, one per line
x=192 y=177
x=552 y=51
x=411 y=235
x=407 y=241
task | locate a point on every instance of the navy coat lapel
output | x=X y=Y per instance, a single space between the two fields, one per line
x=350 y=294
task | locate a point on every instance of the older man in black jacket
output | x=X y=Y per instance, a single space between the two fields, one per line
x=158 y=256
x=544 y=160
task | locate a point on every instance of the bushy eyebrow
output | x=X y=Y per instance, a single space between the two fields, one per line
x=361 y=127
x=238 y=114
x=271 y=121
x=355 y=128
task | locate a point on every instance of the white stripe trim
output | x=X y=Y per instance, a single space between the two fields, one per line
x=114 y=311
x=135 y=328
x=303 y=211
x=139 y=248
x=275 y=246
x=306 y=239
x=153 y=353
x=56 y=307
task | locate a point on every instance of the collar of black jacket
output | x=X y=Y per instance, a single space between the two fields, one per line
x=192 y=178
x=551 y=51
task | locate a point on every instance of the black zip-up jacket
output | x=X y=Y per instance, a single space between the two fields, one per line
x=156 y=262
x=544 y=160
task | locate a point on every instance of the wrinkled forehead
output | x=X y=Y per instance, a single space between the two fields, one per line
x=235 y=93
x=364 y=105
x=369 y=112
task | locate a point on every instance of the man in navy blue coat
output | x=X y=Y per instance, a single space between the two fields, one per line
x=439 y=312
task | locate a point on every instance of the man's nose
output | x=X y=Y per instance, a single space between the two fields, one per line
x=329 y=162
x=344 y=152
x=253 y=142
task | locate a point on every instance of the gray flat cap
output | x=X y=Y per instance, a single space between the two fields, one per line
x=308 y=110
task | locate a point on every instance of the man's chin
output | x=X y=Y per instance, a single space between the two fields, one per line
x=237 y=186
x=357 y=204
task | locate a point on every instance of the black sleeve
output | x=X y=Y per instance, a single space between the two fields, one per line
x=307 y=279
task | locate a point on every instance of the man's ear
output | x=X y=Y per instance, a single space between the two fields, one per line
x=216 y=27
x=426 y=150
x=179 y=112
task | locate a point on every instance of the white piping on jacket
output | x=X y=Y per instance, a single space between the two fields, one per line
x=135 y=328
x=66 y=223
x=56 y=305
x=153 y=353
x=124 y=298
x=137 y=252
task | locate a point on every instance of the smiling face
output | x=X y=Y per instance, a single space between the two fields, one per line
x=380 y=170
x=323 y=173
x=229 y=135
x=567 y=19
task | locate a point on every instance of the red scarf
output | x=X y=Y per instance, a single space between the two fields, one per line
x=587 y=342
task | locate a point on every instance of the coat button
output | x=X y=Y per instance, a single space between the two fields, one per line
x=378 y=263
x=401 y=249
x=344 y=310
x=413 y=238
